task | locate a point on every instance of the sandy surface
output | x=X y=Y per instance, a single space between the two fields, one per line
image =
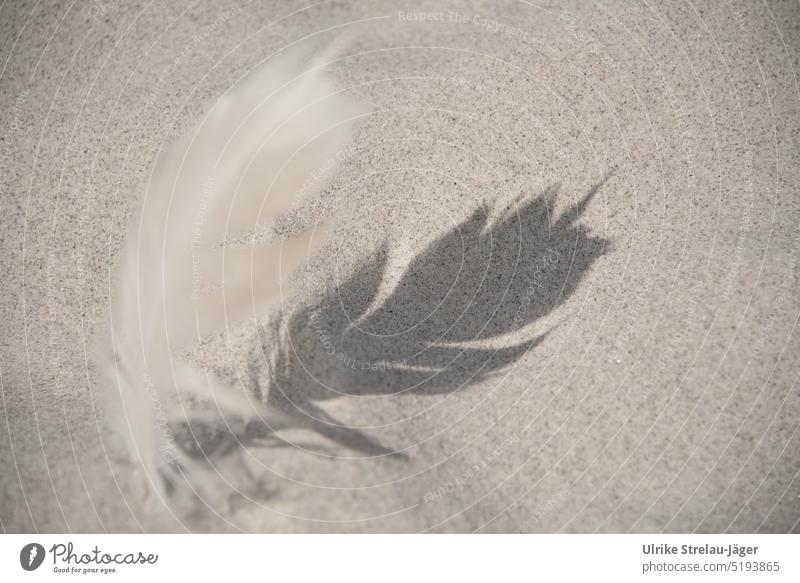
x=571 y=231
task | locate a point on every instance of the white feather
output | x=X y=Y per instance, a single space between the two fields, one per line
x=243 y=164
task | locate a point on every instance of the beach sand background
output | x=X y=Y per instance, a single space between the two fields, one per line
x=586 y=216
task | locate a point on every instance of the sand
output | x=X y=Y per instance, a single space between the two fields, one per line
x=561 y=294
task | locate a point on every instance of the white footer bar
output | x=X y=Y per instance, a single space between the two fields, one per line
x=389 y=558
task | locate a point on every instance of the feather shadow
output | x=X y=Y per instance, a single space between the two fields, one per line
x=441 y=328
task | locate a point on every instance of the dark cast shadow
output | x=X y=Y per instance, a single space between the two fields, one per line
x=442 y=326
